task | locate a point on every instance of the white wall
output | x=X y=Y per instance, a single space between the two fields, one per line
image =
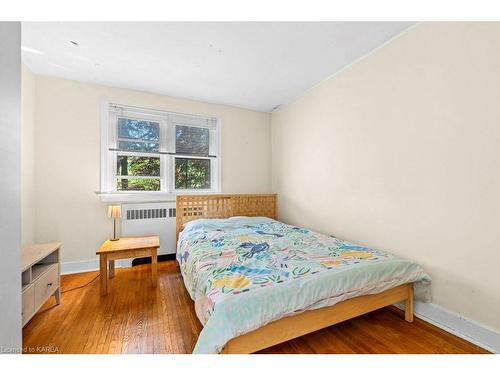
x=67 y=154
x=400 y=151
x=10 y=203
x=27 y=156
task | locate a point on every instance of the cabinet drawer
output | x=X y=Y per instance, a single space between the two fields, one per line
x=28 y=303
x=46 y=285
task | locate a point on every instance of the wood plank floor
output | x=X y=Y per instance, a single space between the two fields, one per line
x=136 y=318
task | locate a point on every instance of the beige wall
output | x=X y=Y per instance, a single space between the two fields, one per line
x=400 y=151
x=27 y=156
x=67 y=152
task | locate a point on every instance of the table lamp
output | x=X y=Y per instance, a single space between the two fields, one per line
x=114 y=212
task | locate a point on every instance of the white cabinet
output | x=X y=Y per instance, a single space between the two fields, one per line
x=40 y=277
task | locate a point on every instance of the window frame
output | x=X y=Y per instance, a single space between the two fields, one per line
x=167 y=126
x=113 y=143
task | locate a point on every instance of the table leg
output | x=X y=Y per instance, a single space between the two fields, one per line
x=57 y=294
x=111 y=269
x=104 y=274
x=154 y=266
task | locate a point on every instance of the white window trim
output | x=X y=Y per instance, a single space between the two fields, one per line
x=108 y=191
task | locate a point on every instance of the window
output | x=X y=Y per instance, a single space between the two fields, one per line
x=158 y=151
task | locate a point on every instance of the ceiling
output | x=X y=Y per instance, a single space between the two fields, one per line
x=252 y=65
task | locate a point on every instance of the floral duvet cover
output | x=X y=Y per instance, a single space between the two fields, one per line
x=245 y=272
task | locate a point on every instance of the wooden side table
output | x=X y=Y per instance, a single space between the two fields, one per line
x=127 y=247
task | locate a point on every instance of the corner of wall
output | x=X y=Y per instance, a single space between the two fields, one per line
x=28 y=87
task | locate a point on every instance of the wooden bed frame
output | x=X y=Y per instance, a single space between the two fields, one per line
x=222 y=206
x=192 y=207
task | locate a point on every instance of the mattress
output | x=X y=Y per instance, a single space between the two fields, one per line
x=245 y=272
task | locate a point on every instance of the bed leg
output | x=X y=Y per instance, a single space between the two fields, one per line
x=409 y=304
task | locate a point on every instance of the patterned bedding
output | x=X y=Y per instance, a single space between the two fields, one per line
x=244 y=273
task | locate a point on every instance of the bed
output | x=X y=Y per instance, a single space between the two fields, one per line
x=257 y=282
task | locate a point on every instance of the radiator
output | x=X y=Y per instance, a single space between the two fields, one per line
x=147 y=219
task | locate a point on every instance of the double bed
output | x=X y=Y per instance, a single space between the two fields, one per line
x=257 y=282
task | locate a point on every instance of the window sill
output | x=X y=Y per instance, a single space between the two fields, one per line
x=142 y=197
x=135 y=197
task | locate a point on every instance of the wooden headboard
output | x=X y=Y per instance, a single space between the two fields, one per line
x=221 y=206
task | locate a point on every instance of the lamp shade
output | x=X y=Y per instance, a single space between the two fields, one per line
x=115 y=211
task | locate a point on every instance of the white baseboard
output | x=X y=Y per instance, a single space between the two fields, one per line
x=90 y=265
x=476 y=333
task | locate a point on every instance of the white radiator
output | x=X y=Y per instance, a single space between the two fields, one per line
x=147 y=219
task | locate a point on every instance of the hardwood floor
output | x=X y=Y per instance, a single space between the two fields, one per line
x=137 y=318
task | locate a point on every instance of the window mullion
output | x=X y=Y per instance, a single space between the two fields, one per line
x=165 y=159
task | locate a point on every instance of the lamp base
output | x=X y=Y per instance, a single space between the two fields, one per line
x=114 y=239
